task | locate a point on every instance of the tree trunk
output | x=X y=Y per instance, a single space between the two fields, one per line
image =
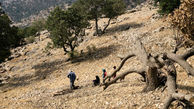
x=152 y=81
x=64 y=49
x=72 y=50
x=106 y=26
x=96 y=22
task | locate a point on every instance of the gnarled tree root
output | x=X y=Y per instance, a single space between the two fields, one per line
x=186 y=98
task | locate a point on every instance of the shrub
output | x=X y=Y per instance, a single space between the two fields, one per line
x=91 y=49
x=48 y=47
x=31 y=30
x=167 y=6
x=182 y=19
x=4 y=53
x=8 y=35
x=73 y=54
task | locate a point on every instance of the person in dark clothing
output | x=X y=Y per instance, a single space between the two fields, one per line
x=96 y=81
x=115 y=73
x=71 y=75
x=114 y=76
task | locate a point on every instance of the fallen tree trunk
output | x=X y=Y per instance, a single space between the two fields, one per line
x=152 y=71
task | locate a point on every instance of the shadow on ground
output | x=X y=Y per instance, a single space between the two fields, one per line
x=122 y=27
x=63 y=92
x=96 y=54
x=189 y=88
x=42 y=71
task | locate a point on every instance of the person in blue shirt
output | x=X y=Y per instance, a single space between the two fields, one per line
x=71 y=75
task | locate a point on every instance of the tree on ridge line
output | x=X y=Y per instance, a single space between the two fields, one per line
x=95 y=9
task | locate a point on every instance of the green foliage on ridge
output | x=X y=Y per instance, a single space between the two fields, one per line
x=94 y=9
x=167 y=6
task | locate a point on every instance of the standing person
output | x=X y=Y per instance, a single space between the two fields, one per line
x=71 y=75
x=114 y=76
x=104 y=74
x=115 y=73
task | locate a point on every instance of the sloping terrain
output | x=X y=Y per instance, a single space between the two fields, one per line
x=36 y=79
x=20 y=9
x=24 y=12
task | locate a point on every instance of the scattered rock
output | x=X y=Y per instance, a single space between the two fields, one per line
x=158 y=30
x=3 y=79
x=114 y=37
x=37 y=33
x=126 y=18
x=89 y=27
x=31 y=52
x=113 y=22
x=43 y=37
x=44 y=32
x=106 y=103
x=132 y=11
x=119 y=20
x=155 y=16
x=16 y=55
x=99 y=31
x=48 y=54
x=2 y=70
x=14 y=68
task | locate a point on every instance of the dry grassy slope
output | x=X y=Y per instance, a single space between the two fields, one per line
x=37 y=77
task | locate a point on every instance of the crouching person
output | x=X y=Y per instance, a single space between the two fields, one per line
x=71 y=75
x=96 y=81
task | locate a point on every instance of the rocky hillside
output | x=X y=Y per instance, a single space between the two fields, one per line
x=23 y=12
x=20 y=9
x=36 y=78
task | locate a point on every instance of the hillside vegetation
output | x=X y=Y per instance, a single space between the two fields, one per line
x=26 y=11
x=19 y=9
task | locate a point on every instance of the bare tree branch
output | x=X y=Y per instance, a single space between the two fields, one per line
x=171 y=87
x=181 y=96
x=178 y=96
x=167 y=102
x=120 y=66
x=188 y=54
x=138 y=71
x=171 y=83
x=180 y=60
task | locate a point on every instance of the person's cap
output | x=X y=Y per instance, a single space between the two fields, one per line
x=69 y=70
